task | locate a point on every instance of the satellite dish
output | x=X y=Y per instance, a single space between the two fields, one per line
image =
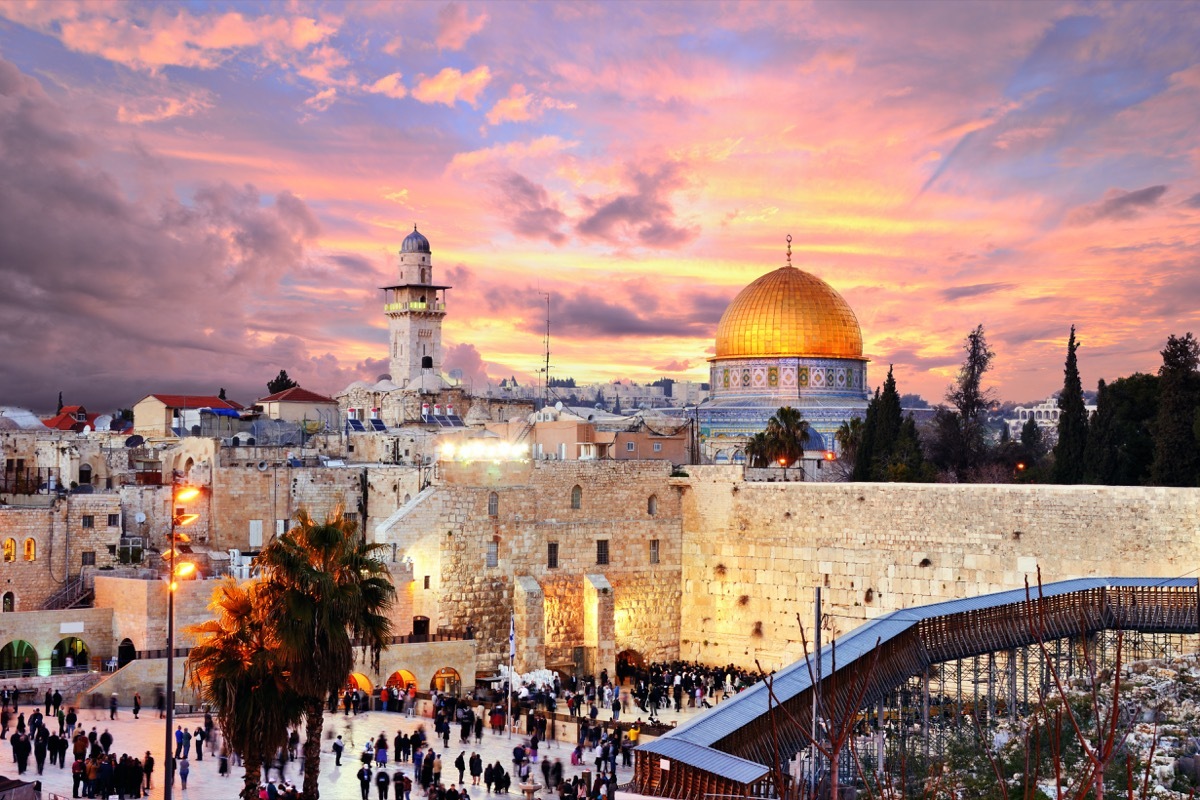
x=104 y=422
x=87 y=428
x=134 y=441
x=139 y=518
x=558 y=406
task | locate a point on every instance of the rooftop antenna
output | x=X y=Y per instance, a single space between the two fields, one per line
x=789 y=250
x=546 y=369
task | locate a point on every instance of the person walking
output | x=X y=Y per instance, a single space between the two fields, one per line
x=148 y=769
x=137 y=704
x=185 y=769
x=338 y=748
x=383 y=782
x=460 y=764
x=364 y=781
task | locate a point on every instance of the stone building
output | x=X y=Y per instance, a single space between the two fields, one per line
x=586 y=554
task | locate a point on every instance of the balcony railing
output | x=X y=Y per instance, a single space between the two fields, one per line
x=414 y=306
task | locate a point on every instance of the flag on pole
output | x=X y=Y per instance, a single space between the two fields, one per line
x=512 y=637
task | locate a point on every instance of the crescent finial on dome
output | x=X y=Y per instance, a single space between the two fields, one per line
x=789 y=249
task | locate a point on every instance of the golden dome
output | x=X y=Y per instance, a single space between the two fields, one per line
x=789 y=313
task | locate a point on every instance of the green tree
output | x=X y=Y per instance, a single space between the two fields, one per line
x=1176 y=453
x=281 y=383
x=782 y=442
x=1069 y=450
x=60 y=404
x=1033 y=442
x=958 y=440
x=326 y=589
x=881 y=434
x=1120 y=448
x=221 y=394
x=235 y=667
x=758 y=451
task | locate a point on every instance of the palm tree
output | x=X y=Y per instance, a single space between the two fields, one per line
x=327 y=591
x=788 y=433
x=235 y=667
x=758 y=450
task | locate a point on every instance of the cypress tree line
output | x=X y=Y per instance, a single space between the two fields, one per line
x=1120 y=446
x=1176 y=451
x=888 y=448
x=1069 y=462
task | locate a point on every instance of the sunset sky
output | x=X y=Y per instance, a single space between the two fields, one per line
x=196 y=195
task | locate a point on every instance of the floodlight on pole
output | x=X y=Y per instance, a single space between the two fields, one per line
x=177 y=569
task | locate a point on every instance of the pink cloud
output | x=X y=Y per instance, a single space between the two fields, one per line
x=512 y=108
x=451 y=85
x=456 y=26
x=389 y=86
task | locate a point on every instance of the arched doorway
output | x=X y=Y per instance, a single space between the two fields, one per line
x=628 y=664
x=85 y=474
x=69 y=655
x=358 y=681
x=10 y=602
x=401 y=679
x=446 y=680
x=19 y=656
x=126 y=652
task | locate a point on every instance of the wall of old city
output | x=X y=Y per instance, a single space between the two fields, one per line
x=448 y=529
x=753 y=552
x=44 y=630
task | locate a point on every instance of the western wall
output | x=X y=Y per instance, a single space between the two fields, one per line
x=753 y=551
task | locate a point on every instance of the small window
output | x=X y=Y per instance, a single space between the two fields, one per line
x=552 y=555
x=493 y=554
x=10 y=602
x=493 y=505
x=350 y=517
x=30 y=550
x=654 y=551
x=10 y=549
x=658 y=447
x=114 y=520
x=426 y=581
x=256 y=533
x=576 y=497
x=88 y=558
x=281 y=527
x=89 y=521
x=630 y=447
x=652 y=505
x=602 y=551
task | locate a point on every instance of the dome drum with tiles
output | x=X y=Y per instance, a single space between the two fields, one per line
x=787 y=339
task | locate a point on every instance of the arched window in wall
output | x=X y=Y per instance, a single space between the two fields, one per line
x=10 y=549
x=30 y=550
x=576 y=497
x=652 y=505
x=493 y=505
x=85 y=474
x=10 y=602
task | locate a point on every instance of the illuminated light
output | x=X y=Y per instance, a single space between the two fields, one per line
x=174 y=585
x=448 y=451
x=184 y=520
x=830 y=455
x=186 y=494
x=783 y=462
x=1020 y=466
x=184 y=568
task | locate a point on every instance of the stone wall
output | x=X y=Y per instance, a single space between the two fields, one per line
x=753 y=552
x=448 y=532
x=45 y=629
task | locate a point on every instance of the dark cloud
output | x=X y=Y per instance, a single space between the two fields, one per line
x=1118 y=204
x=108 y=298
x=530 y=209
x=466 y=357
x=1193 y=201
x=642 y=217
x=974 y=290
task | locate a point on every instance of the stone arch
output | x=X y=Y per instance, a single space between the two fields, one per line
x=187 y=467
x=446 y=680
x=407 y=498
x=400 y=680
x=722 y=457
x=19 y=656
x=31 y=549
x=356 y=680
x=126 y=652
x=739 y=457
x=652 y=505
x=629 y=661
x=10 y=602
x=577 y=496
x=70 y=654
x=85 y=474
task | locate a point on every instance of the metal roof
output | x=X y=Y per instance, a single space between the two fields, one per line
x=751 y=705
x=733 y=767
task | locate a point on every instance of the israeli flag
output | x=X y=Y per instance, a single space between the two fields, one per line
x=512 y=637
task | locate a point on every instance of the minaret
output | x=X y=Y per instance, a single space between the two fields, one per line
x=415 y=308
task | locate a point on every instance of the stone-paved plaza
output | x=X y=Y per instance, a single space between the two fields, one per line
x=135 y=737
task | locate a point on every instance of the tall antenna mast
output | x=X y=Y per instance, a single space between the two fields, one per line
x=546 y=369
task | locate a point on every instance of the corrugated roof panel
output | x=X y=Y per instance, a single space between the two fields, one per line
x=736 y=769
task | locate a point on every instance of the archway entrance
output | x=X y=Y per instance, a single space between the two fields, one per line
x=400 y=680
x=69 y=655
x=358 y=681
x=446 y=680
x=19 y=657
x=628 y=664
x=126 y=652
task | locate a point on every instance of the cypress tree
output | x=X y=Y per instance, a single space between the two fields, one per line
x=1072 y=422
x=1176 y=454
x=1100 y=456
x=866 y=443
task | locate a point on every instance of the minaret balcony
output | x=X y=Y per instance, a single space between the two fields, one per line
x=414 y=305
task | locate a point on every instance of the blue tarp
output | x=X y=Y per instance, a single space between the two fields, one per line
x=220 y=412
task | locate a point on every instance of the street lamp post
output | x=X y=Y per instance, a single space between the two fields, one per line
x=179 y=494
